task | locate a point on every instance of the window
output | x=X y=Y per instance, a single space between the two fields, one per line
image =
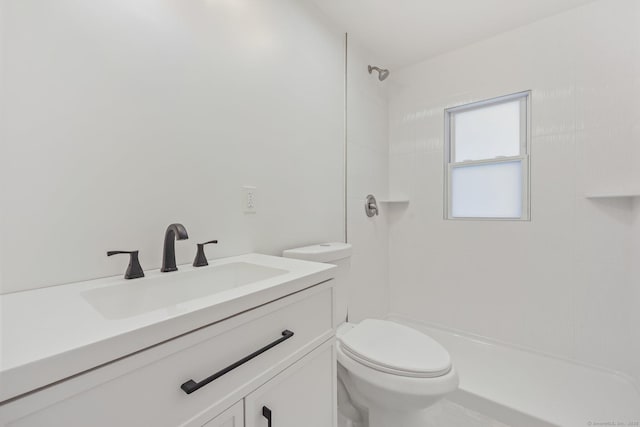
x=487 y=159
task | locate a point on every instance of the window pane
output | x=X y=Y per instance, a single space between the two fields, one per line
x=487 y=132
x=491 y=190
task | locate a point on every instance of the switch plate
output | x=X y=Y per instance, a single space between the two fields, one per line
x=249 y=199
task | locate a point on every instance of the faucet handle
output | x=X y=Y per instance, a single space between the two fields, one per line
x=134 y=270
x=201 y=259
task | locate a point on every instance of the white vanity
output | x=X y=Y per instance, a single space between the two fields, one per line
x=246 y=341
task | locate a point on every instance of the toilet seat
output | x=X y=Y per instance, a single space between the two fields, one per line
x=395 y=349
x=406 y=390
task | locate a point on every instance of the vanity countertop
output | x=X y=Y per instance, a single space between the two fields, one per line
x=49 y=334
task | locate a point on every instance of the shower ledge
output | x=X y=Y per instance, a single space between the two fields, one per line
x=613 y=195
x=399 y=201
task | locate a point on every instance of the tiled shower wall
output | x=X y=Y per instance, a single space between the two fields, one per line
x=367 y=166
x=562 y=283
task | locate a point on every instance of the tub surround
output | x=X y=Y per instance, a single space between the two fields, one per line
x=565 y=280
x=53 y=333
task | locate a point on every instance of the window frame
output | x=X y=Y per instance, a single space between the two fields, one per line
x=523 y=157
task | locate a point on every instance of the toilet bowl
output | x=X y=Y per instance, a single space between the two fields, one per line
x=388 y=373
x=394 y=374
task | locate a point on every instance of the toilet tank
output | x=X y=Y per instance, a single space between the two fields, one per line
x=338 y=254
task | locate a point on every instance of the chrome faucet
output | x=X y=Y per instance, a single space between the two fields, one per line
x=174 y=232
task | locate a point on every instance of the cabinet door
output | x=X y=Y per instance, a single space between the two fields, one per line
x=302 y=395
x=232 y=417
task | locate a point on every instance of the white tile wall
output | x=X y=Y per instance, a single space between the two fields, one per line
x=368 y=162
x=562 y=283
x=121 y=117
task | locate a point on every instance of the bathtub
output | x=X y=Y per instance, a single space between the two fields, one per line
x=523 y=388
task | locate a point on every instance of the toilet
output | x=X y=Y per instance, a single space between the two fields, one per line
x=388 y=374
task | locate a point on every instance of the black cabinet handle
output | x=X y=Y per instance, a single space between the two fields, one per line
x=191 y=386
x=266 y=412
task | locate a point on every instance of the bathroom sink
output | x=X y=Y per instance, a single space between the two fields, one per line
x=134 y=297
x=56 y=332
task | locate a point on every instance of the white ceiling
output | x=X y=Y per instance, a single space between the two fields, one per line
x=403 y=32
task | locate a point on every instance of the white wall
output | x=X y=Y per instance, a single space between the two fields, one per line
x=368 y=164
x=121 y=117
x=562 y=283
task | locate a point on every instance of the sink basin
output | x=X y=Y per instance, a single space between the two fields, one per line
x=134 y=297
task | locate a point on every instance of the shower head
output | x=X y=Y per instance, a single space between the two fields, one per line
x=382 y=73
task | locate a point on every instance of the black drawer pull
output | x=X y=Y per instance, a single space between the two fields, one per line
x=266 y=412
x=191 y=386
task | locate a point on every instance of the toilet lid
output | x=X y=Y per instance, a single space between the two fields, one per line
x=395 y=349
